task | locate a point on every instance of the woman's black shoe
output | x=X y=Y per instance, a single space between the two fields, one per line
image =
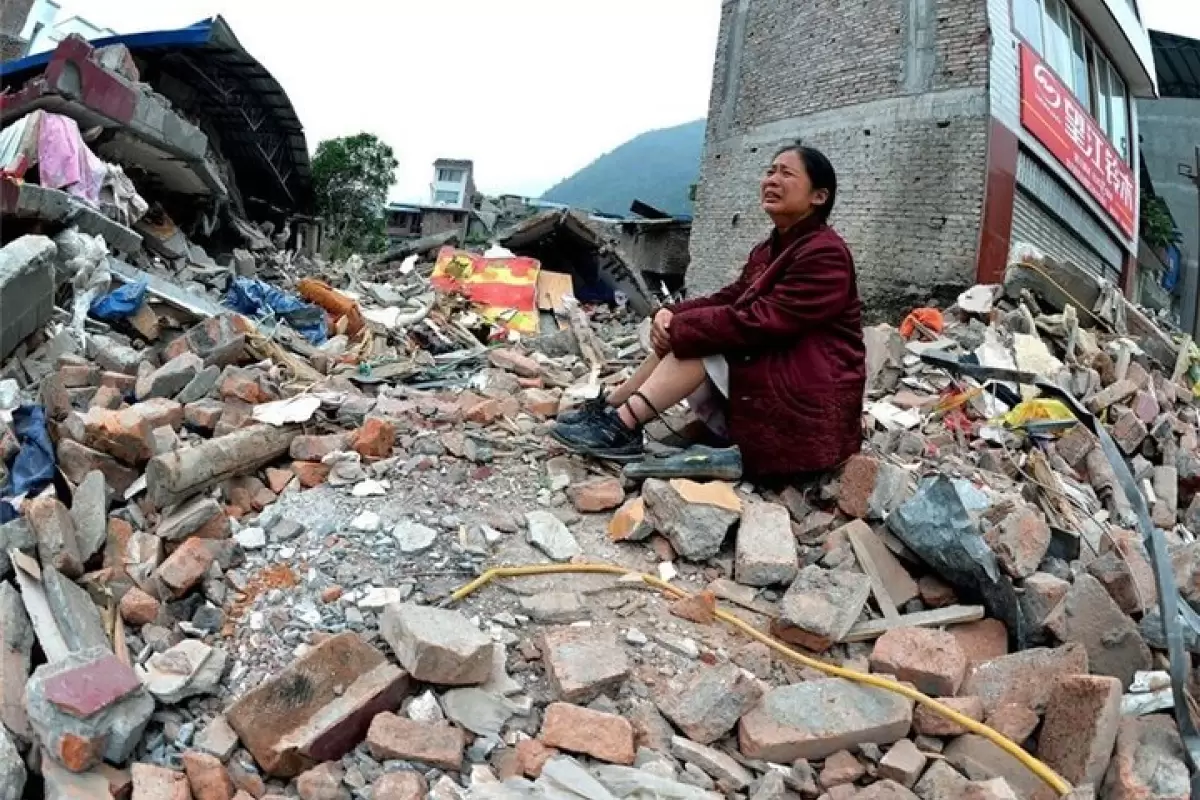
x=590 y=408
x=602 y=436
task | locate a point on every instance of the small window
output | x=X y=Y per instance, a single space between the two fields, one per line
x=1027 y=18
x=1058 y=41
x=1118 y=130
x=1079 y=65
x=450 y=175
x=442 y=196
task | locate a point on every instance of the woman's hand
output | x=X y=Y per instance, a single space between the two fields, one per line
x=660 y=338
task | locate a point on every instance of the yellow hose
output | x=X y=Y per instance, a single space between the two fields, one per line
x=1053 y=779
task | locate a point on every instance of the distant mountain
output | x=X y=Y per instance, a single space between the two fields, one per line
x=656 y=167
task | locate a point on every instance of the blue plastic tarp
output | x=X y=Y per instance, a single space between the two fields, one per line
x=119 y=303
x=33 y=468
x=260 y=300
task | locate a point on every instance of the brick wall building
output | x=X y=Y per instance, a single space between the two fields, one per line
x=918 y=105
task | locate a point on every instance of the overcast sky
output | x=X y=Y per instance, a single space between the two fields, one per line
x=532 y=90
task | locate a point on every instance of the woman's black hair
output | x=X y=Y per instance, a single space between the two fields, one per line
x=820 y=173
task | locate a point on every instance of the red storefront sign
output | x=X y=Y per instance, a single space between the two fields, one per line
x=1051 y=113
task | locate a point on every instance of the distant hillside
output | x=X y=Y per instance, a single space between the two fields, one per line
x=656 y=167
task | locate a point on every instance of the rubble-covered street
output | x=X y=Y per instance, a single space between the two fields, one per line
x=250 y=505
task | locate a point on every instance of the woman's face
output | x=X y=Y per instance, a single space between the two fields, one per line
x=786 y=191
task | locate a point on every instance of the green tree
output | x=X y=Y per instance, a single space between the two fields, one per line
x=351 y=177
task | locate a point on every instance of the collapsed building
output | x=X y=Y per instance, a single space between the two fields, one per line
x=189 y=148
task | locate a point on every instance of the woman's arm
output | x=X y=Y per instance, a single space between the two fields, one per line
x=813 y=289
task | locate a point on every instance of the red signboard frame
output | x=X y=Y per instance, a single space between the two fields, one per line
x=1051 y=113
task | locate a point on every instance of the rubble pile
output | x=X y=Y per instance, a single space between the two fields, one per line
x=231 y=531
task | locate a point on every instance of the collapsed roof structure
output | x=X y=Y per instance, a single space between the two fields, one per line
x=206 y=134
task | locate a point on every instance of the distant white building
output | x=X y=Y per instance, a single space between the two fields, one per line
x=453 y=183
x=44 y=31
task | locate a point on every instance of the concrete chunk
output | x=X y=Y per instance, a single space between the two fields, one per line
x=1089 y=616
x=16 y=652
x=816 y=719
x=202 y=517
x=176 y=476
x=1026 y=678
x=1148 y=761
x=89 y=510
x=77 y=616
x=710 y=701
x=12 y=769
x=319 y=708
x=695 y=517
x=720 y=767
x=437 y=645
x=766 y=548
x=169 y=379
x=110 y=733
x=821 y=607
x=582 y=664
x=27 y=285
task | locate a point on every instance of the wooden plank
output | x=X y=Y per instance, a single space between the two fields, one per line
x=885 y=567
x=950 y=615
x=551 y=286
x=890 y=612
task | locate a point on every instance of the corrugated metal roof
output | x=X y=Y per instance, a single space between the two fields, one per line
x=1177 y=62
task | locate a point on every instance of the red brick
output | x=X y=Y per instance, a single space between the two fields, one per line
x=314 y=448
x=1124 y=569
x=932 y=660
x=437 y=744
x=186 y=567
x=237 y=414
x=204 y=415
x=207 y=776
x=159 y=783
x=512 y=361
x=1025 y=678
x=1148 y=762
x=74 y=376
x=541 y=403
x=485 y=412
x=247 y=385
x=55 y=531
x=375 y=438
x=127 y=434
x=90 y=688
x=77 y=460
x=928 y=723
x=532 y=755
x=936 y=593
x=246 y=493
x=107 y=397
x=278 y=479
x=1014 y=721
x=606 y=737
x=1080 y=727
x=1019 y=536
x=981 y=641
x=138 y=608
x=856 y=484
x=1128 y=432
x=400 y=786
x=118 y=380
x=310 y=473
x=841 y=768
x=346 y=683
x=599 y=494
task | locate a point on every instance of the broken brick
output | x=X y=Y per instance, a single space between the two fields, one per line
x=602 y=736
x=310 y=473
x=187 y=566
x=375 y=438
x=1080 y=727
x=435 y=743
x=598 y=494
x=930 y=659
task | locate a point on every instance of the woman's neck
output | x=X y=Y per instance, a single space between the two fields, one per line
x=785 y=224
